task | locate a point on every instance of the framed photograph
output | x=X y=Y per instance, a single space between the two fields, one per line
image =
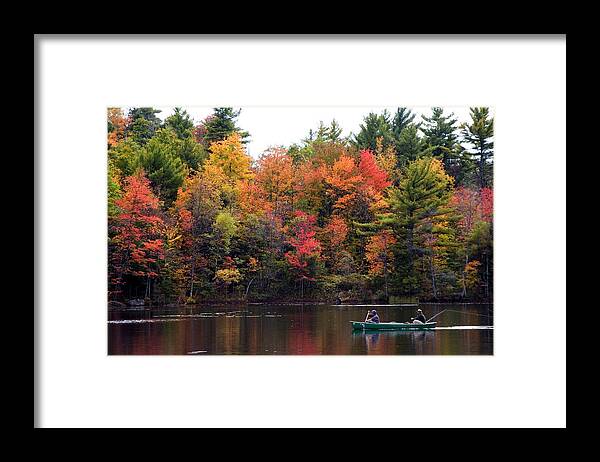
x=266 y=220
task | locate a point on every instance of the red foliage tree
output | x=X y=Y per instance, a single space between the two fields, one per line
x=375 y=178
x=136 y=245
x=466 y=202
x=307 y=248
x=487 y=204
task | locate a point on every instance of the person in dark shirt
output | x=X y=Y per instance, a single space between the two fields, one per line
x=372 y=316
x=420 y=317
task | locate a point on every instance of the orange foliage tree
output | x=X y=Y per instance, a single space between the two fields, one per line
x=274 y=176
x=136 y=246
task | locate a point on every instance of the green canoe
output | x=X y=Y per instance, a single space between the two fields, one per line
x=391 y=325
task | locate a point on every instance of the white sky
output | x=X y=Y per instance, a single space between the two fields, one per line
x=271 y=126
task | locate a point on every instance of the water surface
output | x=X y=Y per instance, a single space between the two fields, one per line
x=296 y=329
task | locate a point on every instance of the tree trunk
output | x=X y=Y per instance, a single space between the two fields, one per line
x=192 y=278
x=409 y=242
x=433 y=276
x=481 y=168
x=385 y=278
x=464 y=283
x=248 y=287
x=487 y=280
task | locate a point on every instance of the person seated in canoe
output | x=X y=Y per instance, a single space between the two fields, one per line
x=372 y=316
x=420 y=319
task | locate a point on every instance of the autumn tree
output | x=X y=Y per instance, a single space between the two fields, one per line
x=343 y=182
x=386 y=159
x=196 y=208
x=474 y=208
x=379 y=255
x=230 y=156
x=309 y=189
x=375 y=179
x=228 y=274
x=136 y=247
x=274 y=176
x=335 y=252
x=229 y=160
x=117 y=125
x=306 y=248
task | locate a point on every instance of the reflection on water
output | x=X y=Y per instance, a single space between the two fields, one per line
x=296 y=330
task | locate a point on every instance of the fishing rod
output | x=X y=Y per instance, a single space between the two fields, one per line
x=436 y=315
x=474 y=314
x=456 y=311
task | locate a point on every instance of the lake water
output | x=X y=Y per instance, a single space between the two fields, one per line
x=297 y=329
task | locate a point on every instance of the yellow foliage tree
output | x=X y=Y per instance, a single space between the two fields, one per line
x=230 y=156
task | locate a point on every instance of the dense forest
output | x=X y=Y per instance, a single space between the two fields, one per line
x=401 y=210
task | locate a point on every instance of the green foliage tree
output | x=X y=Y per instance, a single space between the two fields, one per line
x=181 y=123
x=440 y=132
x=482 y=249
x=375 y=126
x=421 y=198
x=114 y=189
x=324 y=133
x=143 y=123
x=225 y=228
x=479 y=134
x=125 y=156
x=221 y=124
x=402 y=119
x=165 y=170
x=187 y=150
x=409 y=146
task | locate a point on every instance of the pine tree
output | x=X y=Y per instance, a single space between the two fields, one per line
x=163 y=167
x=479 y=134
x=441 y=137
x=420 y=200
x=402 y=119
x=143 y=123
x=219 y=126
x=181 y=123
x=373 y=127
x=187 y=150
x=409 y=146
x=331 y=132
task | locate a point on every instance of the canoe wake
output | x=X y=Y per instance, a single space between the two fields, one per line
x=463 y=327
